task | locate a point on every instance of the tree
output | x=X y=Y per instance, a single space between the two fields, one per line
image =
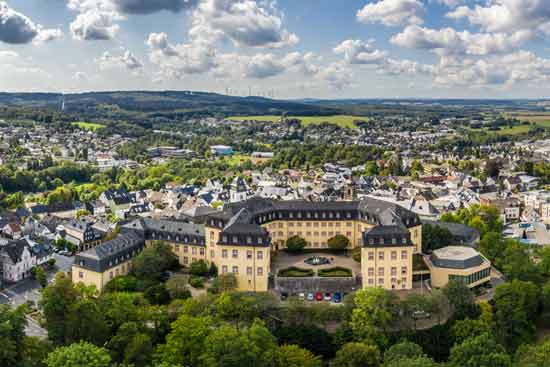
x=516 y=305
x=82 y=315
x=375 y=310
x=492 y=245
x=35 y=351
x=121 y=307
x=435 y=237
x=468 y=328
x=57 y=301
x=492 y=168
x=186 y=342
x=225 y=283
x=479 y=351
x=131 y=345
x=403 y=350
x=294 y=356
x=534 y=355
x=308 y=336
x=79 y=355
x=357 y=355
x=153 y=261
x=12 y=334
x=199 y=268
x=295 y=244
x=422 y=361
x=157 y=294
x=40 y=275
x=177 y=286
x=461 y=300
x=338 y=242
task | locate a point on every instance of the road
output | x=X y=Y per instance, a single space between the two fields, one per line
x=29 y=290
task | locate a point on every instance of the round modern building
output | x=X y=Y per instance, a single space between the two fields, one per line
x=460 y=263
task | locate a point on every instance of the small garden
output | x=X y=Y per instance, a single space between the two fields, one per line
x=294 y=272
x=335 y=272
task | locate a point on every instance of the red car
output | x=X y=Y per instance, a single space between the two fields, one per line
x=319 y=296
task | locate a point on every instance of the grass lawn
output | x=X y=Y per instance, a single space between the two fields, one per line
x=336 y=272
x=236 y=159
x=295 y=272
x=88 y=125
x=345 y=121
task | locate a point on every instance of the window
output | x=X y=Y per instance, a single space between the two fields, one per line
x=185 y=260
x=235 y=254
x=185 y=249
x=81 y=274
x=381 y=255
x=371 y=256
x=260 y=271
x=249 y=270
x=371 y=272
x=380 y=271
x=394 y=271
x=193 y=250
x=404 y=255
x=235 y=270
x=249 y=254
x=260 y=255
x=403 y=270
x=371 y=281
x=224 y=254
x=201 y=251
x=224 y=269
x=380 y=280
x=394 y=255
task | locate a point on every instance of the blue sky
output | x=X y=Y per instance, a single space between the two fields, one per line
x=284 y=48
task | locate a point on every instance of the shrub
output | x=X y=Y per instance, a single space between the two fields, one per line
x=336 y=271
x=199 y=268
x=196 y=282
x=356 y=255
x=295 y=244
x=296 y=272
x=338 y=242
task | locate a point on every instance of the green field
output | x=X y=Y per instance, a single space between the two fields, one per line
x=88 y=125
x=345 y=121
x=538 y=118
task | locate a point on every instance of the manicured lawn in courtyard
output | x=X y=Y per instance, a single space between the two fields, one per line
x=295 y=272
x=336 y=272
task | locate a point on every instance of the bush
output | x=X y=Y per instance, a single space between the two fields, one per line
x=51 y=263
x=336 y=271
x=157 y=294
x=296 y=272
x=295 y=244
x=338 y=242
x=196 y=282
x=199 y=268
x=356 y=255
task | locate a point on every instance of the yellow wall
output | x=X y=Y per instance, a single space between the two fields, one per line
x=90 y=277
x=387 y=267
x=252 y=265
x=440 y=276
x=186 y=253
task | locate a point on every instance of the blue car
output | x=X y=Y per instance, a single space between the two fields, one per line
x=336 y=297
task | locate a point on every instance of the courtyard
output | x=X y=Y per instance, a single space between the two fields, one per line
x=284 y=260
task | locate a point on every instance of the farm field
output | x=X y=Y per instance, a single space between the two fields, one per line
x=539 y=118
x=88 y=125
x=345 y=121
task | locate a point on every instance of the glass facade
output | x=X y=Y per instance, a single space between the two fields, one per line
x=472 y=278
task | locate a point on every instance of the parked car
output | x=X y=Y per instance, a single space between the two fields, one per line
x=310 y=297
x=336 y=297
x=319 y=296
x=328 y=297
x=301 y=295
x=284 y=296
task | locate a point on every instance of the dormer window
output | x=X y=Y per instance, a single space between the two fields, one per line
x=235 y=239
x=260 y=241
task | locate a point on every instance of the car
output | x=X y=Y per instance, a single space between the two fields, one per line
x=327 y=297
x=301 y=295
x=418 y=315
x=336 y=297
x=284 y=296
x=310 y=296
x=319 y=296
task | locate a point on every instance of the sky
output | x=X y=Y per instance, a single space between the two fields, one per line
x=279 y=48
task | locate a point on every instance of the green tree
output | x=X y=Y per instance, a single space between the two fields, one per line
x=35 y=351
x=225 y=283
x=422 y=361
x=338 y=242
x=357 y=355
x=435 y=237
x=468 y=328
x=131 y=345
x=153 y=261
x=403 y=350
x=376 y=309
x=199 y=268
x=12 y=335
x=57 y=302
x=479 y=351
x=82 y=315
x=492 y=245
x=186 y=342
x=177 y=286
x=461 y=300
x=295 y=244
x=294 y=356
x=40 y=275
x=516 y=304
x=79 y=355
x=534 y=355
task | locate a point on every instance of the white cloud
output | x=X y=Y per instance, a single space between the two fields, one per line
x=94 y=25
x=243 y=22
x=338 y=75
x=126 y=61
x=507 y=15
x=80 y=76
x=8 y=54
x=17 y=28
x=359 y=52
x=392 y=12
x=449 y=41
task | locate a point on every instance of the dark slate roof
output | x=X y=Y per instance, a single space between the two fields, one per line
x=14 y=249
x=125 y=246
x=154 y=229
x=460 y=232
x=119 y=196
